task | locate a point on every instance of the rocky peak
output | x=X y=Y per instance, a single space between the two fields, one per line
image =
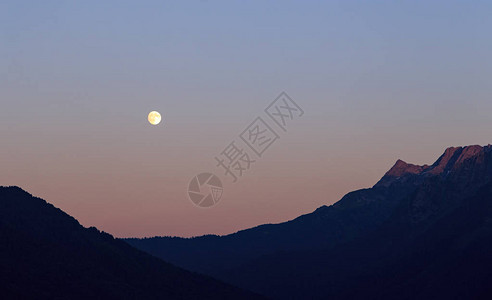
x=401 y=168
x=446 y=161
x=452 y=158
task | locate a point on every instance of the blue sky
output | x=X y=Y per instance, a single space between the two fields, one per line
x=378 y=80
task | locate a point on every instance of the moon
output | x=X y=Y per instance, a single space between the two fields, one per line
x=154 y=117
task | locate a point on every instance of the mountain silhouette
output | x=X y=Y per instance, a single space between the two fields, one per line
x=421 y=232
x=47 y=254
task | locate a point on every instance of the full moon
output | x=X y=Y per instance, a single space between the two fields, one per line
x=154 y=118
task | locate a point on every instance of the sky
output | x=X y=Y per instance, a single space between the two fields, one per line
x=377 y=81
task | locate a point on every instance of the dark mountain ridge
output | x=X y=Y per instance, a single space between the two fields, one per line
x=388 y=241
x=47 y=254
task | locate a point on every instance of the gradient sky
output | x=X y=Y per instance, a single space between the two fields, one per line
x=378 y=81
